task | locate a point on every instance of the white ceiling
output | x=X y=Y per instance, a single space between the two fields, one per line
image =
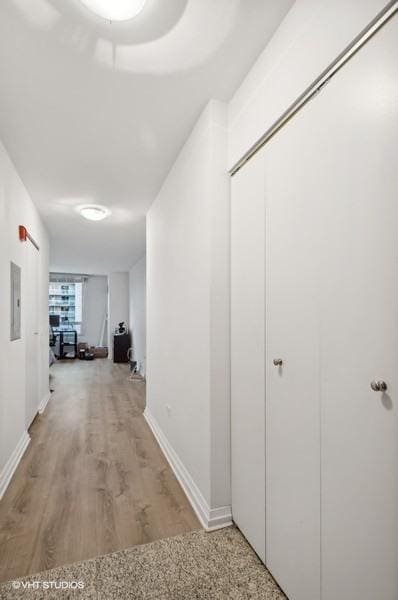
x=93 y=112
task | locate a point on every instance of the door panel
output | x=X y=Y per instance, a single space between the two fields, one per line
x=360 y=325
x=292 y=407
x=247 y=353
x=32 y=333
x=332 y=315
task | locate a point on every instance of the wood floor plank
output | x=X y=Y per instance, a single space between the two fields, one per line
x=93 y=479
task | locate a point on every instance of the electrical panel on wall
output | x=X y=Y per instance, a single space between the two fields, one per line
x=15 y=313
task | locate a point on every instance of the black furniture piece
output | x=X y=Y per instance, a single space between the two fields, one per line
x=54 y=322
x=121 y=344
x=67 y=344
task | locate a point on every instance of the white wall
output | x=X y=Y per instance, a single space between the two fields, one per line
x=95 y=308
x=137 y=316
x=312 y=34
x=16 y=208
x=188 y=310
x=118 y=304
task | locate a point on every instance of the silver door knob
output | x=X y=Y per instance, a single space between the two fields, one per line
x=278 y=362
x=378 y=386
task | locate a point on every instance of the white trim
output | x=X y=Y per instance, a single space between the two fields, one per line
x=12 y=463
x=210 y=518
x=43 y=403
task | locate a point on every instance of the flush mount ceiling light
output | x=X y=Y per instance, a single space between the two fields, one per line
x=94 y=212
x=115 y=10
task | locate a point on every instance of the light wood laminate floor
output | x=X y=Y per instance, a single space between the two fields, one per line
x=93 y=479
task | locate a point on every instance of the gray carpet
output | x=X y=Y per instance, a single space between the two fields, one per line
x=197 y=565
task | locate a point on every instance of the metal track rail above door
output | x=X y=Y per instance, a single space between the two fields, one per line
x=316 y=86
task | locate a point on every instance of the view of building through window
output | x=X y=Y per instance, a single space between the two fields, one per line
x=66 y=300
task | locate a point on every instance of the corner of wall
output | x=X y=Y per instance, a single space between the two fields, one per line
x=210 y=518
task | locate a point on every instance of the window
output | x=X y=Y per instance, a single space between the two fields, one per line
x=66 y=300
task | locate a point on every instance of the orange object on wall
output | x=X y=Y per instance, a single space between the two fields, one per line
x=24 y=236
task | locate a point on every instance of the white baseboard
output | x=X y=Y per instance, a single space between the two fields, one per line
x=43 y=403
x=210 y=518
x=12 y=463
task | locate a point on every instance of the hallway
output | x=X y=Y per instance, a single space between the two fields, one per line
x=199 y=299
x=93 y=479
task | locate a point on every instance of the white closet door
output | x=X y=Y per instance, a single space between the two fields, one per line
x=332 y=257
x=292 y=335
x=359 y=182
x=247 y=353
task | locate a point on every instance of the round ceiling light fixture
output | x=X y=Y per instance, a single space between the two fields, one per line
x=94 y=212
x=115 y=10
